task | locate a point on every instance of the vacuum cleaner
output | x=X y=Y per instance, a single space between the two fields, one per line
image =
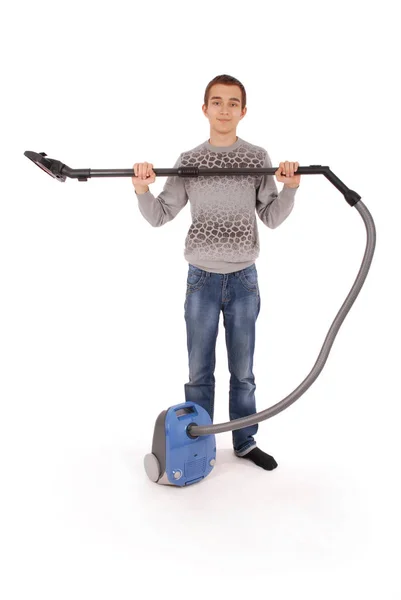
x=184 y=447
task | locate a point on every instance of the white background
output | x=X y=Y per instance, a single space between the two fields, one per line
x=93 y=339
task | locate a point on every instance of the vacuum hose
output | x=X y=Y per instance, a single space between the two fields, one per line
x=195 y=430
x=61 y=171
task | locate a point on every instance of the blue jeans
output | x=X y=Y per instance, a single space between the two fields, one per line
x=237 y=296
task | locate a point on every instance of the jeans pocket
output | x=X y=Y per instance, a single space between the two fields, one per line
x=249 y=278
x=195 y=279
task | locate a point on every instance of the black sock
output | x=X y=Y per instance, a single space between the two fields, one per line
x=261 y=459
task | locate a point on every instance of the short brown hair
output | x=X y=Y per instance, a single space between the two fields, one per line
x=227 y=80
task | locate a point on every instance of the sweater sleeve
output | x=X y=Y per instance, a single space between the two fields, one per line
x=167 y=205
x=272 y=207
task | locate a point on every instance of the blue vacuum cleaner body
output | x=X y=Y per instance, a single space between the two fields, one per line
x=177 y=458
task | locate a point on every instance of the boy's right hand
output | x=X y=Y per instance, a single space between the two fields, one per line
x=144 y=174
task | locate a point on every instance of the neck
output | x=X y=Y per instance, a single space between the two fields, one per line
x=222 y=139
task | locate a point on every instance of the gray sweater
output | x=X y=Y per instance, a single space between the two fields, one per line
x=223 y=237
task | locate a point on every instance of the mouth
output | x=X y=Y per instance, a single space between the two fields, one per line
x=224 y=120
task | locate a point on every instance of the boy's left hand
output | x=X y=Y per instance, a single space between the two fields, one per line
x=285 y=174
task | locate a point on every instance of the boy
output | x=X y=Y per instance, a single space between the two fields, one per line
x=221 y=248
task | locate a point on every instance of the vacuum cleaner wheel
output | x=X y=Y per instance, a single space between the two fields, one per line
x=152 y=467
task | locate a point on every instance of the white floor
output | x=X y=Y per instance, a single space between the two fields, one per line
x=80 y=518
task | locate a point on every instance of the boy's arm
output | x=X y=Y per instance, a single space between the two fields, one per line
x=173 y=197
x=273 y=207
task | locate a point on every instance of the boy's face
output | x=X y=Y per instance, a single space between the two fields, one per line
x=224 y=108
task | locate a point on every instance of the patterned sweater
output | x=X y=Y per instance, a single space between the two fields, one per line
x=224 y=236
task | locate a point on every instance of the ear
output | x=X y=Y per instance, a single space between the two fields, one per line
x=244 y=113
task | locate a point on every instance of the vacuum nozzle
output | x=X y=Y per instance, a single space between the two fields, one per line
x=49 y=165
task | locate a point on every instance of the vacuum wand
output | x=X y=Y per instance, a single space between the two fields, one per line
x=60 y=171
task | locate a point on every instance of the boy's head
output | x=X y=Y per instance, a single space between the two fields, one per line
x=224 y=103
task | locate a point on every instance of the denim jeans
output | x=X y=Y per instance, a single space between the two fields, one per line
x=237 y=296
